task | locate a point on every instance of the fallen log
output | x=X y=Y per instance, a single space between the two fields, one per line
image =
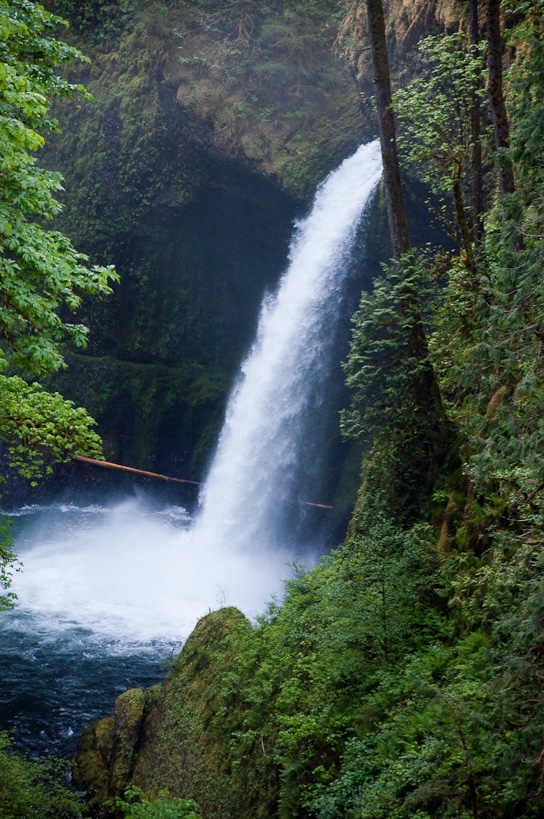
x=109 y=465
x=131 y=469
x=317 y=505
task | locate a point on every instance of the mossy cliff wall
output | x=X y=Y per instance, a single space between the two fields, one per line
x=206 y=136
x=210 y=126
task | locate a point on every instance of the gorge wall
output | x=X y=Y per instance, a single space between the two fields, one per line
x=206 y=135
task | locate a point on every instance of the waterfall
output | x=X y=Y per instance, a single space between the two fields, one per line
x=255 y=488
x=129 y=576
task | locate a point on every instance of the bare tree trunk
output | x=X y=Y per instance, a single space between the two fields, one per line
x=398 y=226
x=477 y=195
x=496 y=93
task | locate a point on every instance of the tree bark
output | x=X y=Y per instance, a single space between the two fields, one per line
x=398 y=225
x=476 y=174
x=496 y=94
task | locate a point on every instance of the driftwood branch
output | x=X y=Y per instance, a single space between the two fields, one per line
x=108 y=465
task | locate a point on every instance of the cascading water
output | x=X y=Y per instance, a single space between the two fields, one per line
x=106 y=591
x=265 y=447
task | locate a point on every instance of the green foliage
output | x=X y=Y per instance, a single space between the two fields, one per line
x=384 y=368
x=286 y=698
x=34 y=790
x=42 y=277
x=99 y=19
x=40 y=427
x=488 y=351
x=136 y=806
x=8 y=563
x=37 y=428
x=40 y=272
x=358 y=697
x=395 y=407
x=434 y=109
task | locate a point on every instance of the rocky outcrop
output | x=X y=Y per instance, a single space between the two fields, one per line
x=406 y=22
x=160 y=738
x=95 y=751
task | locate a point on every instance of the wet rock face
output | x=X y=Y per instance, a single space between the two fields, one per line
x=158 y=739
x=407 y=21
x=208 y=132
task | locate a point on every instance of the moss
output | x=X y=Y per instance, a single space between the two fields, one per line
x=129 y=711
x=129 y=714
x=149 y=415
x=94 y=756
x=161 y=739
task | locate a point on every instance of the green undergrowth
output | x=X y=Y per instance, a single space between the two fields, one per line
x=402 y=676
x=134 y=805
x=371 y=692
x=35 y=789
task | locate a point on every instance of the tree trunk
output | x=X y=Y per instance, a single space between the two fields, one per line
x=398 y=226
x=477 y=196
x=427 y=400
x=496 y=93
x=461 y=219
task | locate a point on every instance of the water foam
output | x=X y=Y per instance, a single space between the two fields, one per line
x=133 y=577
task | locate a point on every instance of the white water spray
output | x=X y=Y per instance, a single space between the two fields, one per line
x=130 y=577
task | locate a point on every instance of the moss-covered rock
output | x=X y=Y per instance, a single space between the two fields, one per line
x=95 y=753
x=161 y=739
x=129 y=716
